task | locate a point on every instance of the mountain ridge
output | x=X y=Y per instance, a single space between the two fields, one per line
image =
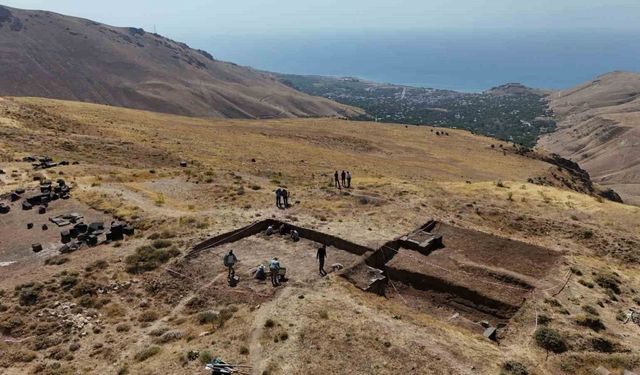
x=598 y=128
x=62 y=57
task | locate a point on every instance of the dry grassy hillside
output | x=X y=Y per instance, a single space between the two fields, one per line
x=599 y=129
x=55 y=56
x=140 y=322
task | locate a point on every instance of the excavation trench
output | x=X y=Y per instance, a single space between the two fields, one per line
x=457 y=267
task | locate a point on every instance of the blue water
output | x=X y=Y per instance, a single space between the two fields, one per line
x=463 y=61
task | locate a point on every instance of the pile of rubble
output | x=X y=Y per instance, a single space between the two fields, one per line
x=66 y=313
x=44 y=162
x=83 y=234
x=116 y=286
x=49 y=192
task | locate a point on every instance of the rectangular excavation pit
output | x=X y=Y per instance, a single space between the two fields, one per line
x=299 y=258
x=203 y=267
x=474 y=273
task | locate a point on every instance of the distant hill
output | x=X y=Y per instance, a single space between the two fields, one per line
x=55 y=56
x=511 y=112
x=600 y=129
x=515 y=88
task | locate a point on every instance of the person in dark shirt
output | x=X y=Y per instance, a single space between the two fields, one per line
x=285 y=198
x=321 y=255
x=343 y=177
x=337 y=179
x=230 y=261
x=278 y=197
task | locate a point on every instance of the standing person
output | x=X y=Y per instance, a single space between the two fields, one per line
x=343 y=176
x=337 y=180
x=348 y=179
x=274 y=268
x=230 y=261
x=320 y=256
x=278 y=197
x=285 y=198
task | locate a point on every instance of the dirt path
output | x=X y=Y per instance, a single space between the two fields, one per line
x=263 y=313
x=139 y=199
x=138 y=345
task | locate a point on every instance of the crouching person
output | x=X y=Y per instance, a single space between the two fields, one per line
x=261 y=273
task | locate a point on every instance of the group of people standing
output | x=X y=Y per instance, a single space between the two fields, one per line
x=282 y=198
x=342 y=180
x=276 y=271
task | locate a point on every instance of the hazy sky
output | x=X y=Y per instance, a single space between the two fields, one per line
x=189 y=18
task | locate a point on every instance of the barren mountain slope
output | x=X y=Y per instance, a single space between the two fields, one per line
x=113 y=309
x=600 y=129
x=51 y=55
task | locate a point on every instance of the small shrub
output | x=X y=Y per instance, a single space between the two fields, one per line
x=612 y=295
x=244 y=350
x=170 y=336
x=576 y=271
x=146 y=353
x=553 y=302
x=205 y=357
x=56 y=260
x=10 y=324
x=608 y=281
x=590 y=321
x=29 y=294
x=588 y=284
x=564 y=311
x=123 y=327
x=68 y=282
x=97 y=265
x=160 y=199
x=148 y=316
x=91 y=302
x=22 y=355
x=196 y=303
x=148 y=258
x=550 y=340
x=284 y=336
x=158 y=331
x=602 y=345
x=269 y=323
x=84 y=288
x=224 y=315
x=543 y=319
x=161 y=243
x=324 y=314
x=207 y=317
x=513 y=368
x=590 y=310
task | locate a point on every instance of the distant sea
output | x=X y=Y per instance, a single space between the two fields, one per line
x=462 y=61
